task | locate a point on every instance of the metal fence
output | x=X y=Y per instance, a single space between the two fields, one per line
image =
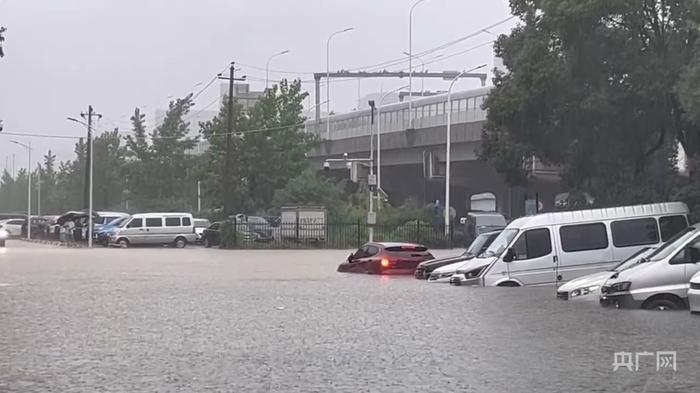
x=331 y=235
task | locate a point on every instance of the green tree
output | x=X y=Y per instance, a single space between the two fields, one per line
x=108 y=171
x=311 y=189
x=160 y=171
x=267 y=151
x=591 y=88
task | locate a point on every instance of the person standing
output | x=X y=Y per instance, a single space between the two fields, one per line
x=70 y=231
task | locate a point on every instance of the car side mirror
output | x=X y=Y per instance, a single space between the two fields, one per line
x=350 y=257
x=509 y=256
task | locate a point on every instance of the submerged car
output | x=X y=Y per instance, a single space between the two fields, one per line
x=386 y=258
x=479 y=245
x=444 y=274
x=588 y=287
x=663 y=282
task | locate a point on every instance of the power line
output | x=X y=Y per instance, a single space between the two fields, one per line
x=397 y=61
x=40 y=135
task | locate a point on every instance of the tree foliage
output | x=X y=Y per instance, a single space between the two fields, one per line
x=592 y=87
x=267 y=151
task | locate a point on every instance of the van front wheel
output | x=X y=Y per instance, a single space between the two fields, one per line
x=662 y=305
x=123 y=243
x=180 y=242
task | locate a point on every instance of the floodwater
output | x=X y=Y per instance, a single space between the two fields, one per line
x=200 y=320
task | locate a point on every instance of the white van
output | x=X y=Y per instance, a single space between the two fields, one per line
x=662 y=281
x=176 y=229
x=552 y=248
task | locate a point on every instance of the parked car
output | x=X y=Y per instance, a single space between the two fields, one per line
x=386 y=258
x=200 y=224
x=4 y=235
x=13 y=226
x=558 y=247
x=588 y=287
x=105 y=217
x=102 y=232
x=212 y=235
x=176 y=229
x=260 y=226
x=444 y=274
x=663 y=282
x=479 y=245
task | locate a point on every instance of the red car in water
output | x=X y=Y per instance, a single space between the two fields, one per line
x=386 y=258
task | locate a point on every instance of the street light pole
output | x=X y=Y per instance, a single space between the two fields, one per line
x=410 y=62
x=379 y=139
x=328 y=79
x=267 y=67
x=28 y=146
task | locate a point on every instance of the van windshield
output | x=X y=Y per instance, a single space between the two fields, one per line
x=672 y=244
x=500 y=243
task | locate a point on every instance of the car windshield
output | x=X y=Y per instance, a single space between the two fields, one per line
x=477 y=245
x=500 y=243
x=118 y=221
x=673 y=243
x=635 y=259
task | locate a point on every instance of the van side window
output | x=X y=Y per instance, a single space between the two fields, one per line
x=172 y=221
x=154 y=222
x=186 y=221
x=135 y=223
x=670 y=225
x=534 y=243
x=583 y=237
x=639 y=232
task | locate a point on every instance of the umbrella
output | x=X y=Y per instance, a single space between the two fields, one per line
x=74 y=215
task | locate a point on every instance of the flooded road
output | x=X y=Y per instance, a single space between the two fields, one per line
x=196 y=320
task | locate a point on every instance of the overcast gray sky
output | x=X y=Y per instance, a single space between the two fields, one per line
x=62 y=55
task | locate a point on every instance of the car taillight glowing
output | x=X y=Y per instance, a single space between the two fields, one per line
x=385 y=262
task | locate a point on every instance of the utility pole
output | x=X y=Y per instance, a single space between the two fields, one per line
x=38 y=190
x=229 y=135
x=87 y=184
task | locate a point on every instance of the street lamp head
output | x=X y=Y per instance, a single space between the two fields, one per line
x=284 y=52
x=348 y=29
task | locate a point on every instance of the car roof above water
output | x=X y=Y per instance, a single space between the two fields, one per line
x=395 y=244
x=581 y=216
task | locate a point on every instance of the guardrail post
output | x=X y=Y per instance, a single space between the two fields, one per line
x=417 y=231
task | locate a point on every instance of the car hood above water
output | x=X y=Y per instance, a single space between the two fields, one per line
x=586 y=281
x=446 y=260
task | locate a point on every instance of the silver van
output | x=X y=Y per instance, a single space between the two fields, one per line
x=176 y=229
x=663 y=281
x=553 y=248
